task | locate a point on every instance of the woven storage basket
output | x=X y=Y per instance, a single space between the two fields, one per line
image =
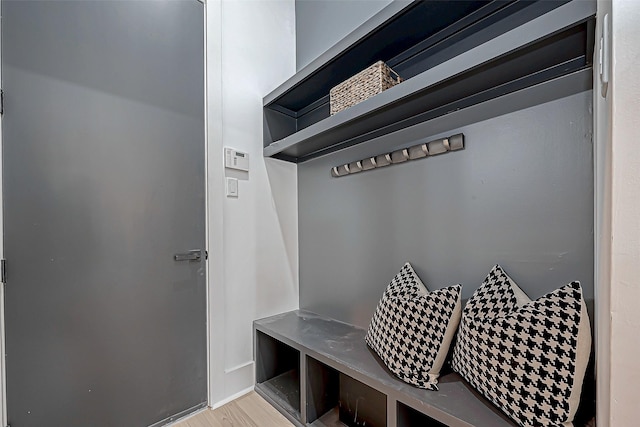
x=367 y=83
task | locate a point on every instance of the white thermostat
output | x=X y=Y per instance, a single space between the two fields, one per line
x=234 y=159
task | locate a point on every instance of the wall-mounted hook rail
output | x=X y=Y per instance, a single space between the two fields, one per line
x=426 y=149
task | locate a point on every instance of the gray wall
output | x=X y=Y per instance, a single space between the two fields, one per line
x=520 y=194
x=322 y=23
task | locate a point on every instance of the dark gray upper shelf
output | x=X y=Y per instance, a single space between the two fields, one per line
x=470 y=53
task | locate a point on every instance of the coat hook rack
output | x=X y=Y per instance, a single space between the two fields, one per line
x=427 y=149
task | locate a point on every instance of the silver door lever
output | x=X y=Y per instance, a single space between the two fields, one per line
x=194 y=255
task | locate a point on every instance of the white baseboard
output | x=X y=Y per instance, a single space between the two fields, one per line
x=232 y=397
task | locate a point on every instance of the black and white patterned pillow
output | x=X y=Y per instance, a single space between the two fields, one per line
x=412 y=328
x=528 y=358
x=405 y=284
x=497 y=295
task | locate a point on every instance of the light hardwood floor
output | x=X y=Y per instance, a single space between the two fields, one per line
x=249 y=410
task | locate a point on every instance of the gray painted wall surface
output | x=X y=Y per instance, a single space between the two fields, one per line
x=520 y=194
x=320 y=25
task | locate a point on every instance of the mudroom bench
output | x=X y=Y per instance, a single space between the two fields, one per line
x=314 y=369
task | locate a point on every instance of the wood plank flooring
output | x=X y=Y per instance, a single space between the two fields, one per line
x=250 y=410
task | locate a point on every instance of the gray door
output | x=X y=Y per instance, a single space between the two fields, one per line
x=103 y=167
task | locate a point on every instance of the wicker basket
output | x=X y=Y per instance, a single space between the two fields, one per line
x=367 y=83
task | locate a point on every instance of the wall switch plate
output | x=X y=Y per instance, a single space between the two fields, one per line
x=232 y=187
x=234 y=159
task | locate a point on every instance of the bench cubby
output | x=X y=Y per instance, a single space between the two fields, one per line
x=331 y=362
x=334 y=398
x=409 y=417
x=278 y=373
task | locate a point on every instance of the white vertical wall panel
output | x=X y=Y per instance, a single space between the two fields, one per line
x=602 y=229
x=625 y=213
x=253 y=239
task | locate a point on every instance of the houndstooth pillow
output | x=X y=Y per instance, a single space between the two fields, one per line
x=412 y=328
x=528 y=358
x=405 y=284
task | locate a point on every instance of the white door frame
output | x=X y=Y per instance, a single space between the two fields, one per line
x=215 y=197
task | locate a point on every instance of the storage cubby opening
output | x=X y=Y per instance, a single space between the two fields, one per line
x=335 y=399
x=278 y=372
x=409 y=417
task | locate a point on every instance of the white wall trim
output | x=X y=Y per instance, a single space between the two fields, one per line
x=602 y=229
x=206 y=207
x=624 y=256
x=237 y=367
x=252 y=238
x=215 y=200
x=233 y=397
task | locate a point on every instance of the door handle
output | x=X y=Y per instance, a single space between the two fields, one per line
x=193 y=255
